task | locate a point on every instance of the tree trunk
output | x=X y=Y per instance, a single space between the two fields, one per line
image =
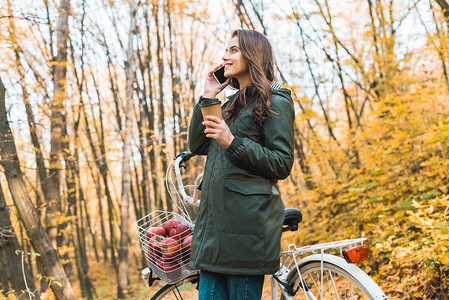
x=305 y=169
x=144 y=184
x=101 y=163
x=149 y=110
x=74 y=183
x=40 y=161
x=12 y=257
x=122 y=279
x=161 y=111
x=442 y=50
x=89 y=226
x=242 y=13
x=39 y=239
x=96 y=179
x=175 y=81
x=57 y=107
x=445 y=9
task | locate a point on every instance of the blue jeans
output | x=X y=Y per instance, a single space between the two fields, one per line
x=215 y=286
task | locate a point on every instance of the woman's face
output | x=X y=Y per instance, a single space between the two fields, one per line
x=236 y=66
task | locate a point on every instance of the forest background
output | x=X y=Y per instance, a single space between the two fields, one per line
x=95 y=100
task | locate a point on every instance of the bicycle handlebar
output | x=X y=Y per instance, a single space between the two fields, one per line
x=179 y=159
x=185 y=156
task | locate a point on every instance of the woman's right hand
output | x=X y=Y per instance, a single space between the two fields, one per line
x=212 y=87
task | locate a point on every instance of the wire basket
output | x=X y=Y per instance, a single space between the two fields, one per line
x=168 y=257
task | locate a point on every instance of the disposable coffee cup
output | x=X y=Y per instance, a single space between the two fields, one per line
x=211 y=107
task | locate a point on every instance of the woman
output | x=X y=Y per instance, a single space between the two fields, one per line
x=237 y=234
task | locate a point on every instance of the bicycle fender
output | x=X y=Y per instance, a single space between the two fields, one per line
x=350 y=268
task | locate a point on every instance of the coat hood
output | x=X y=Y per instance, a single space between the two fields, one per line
x=284 y=92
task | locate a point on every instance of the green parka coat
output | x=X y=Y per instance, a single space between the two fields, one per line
x=239 y=224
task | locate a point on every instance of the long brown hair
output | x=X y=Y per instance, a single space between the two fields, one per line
x=256 y=49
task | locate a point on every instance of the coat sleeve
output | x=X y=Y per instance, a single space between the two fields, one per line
x=197 y=140
x=274 y=159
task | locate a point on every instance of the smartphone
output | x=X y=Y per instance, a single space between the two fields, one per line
x=219 y=75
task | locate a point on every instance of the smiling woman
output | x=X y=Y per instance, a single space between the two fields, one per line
x=236 y=240
x=235 y=64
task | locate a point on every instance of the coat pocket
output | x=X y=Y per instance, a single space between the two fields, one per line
x=244 y=204
x=242 y=251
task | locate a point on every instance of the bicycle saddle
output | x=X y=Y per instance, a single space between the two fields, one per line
x=292 y=218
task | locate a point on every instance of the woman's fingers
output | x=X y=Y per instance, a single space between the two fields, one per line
x=210 y=124
x=212 y=118
x=215 y=69
x=212 y=86
x=213 y=125
x=217 y=129
x=211 y=121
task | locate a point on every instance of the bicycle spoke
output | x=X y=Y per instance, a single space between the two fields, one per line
x=333 y=283
x=177 y=292
x=328 y=284
x=304 y=286
x=316 y=283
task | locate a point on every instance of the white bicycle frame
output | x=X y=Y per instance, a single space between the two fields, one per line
x=293 y=252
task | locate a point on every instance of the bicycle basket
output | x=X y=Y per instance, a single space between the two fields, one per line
x=168 y=257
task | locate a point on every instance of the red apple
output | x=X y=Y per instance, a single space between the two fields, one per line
x=150 y=255
x=167 y=266
x=155 y=245
x=186 y=246
x=170 y=249
x=155 y=231
x=187 y=243
x=170 y=224
x=180 y=231
x=171 y=269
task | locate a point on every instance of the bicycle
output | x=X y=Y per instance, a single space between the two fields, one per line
x=316 y=275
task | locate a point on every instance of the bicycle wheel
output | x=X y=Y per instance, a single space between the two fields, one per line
x=185 y=289
x=338 y=283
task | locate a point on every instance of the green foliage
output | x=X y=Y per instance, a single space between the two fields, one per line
x=7 y=295
x=13 y=294
x=51 y=280
x=33 y=254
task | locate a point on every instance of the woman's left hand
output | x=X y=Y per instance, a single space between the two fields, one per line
x=218 y=130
